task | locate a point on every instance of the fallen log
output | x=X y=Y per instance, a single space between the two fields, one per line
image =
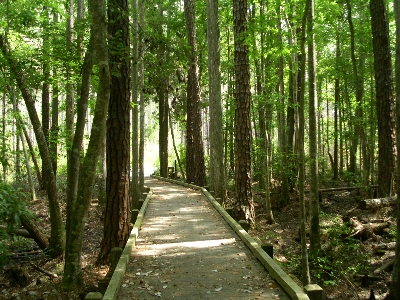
x=365 y=231
x=384 y=246
x=41 y=240
x=372 y=204
x=17 y=231
x=387 y=265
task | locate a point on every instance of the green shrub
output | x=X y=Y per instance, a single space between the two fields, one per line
x=346 y=256
x=12 y=205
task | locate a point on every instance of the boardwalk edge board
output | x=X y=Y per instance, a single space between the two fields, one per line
x=118 y=275
x=276 y=272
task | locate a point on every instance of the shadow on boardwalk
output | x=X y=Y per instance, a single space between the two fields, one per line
x=185 y=250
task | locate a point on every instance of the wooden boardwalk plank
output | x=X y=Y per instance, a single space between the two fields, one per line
x=185 y=250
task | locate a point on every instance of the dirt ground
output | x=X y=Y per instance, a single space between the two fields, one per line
x=33 y=276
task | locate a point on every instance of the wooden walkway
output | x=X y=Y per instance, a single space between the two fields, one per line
x=185 y=250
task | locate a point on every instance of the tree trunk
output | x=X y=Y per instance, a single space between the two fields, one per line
x=70 y=92
x=315 y=243
x=117 y=213
x=216 y=166
x=175 y=149
x=135 y=190
x=394 y=289
x=300 y=96
x=195 y=166
x=35 y=232
x=54 y=130
x=243 y=202
x=142 y=101
x=74 y=161
x=335 y=164
x=384 y=96
x=73 y=276
x=162 y=96
x=28 y=166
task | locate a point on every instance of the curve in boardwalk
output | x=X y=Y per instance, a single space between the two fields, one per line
x=185 y=250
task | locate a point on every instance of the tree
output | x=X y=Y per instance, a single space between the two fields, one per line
x=315 y=243
x=135 y=189
x=97 y=53
x=394 y=289
x=117 y=212
x=384 y=96
x=243 y=203
x=195 y=167
x=305 y=271
x=217 y=168
x=162 y=94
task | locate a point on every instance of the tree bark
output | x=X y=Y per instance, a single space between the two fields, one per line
x=243 y=202
x=135 y=190
x=216 y=166
x=394 y=289
x=195 y=166
x=300 y=99
x=372 y=204
x=35 y=232
x=142 y=99
x=117 y=212
x=162 y=95
x=384 y=96
x=315 y=243
x=73 y=276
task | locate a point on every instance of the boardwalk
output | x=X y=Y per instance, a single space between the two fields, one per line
x=185 y=250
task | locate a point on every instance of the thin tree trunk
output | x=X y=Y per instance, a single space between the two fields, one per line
x=394 y=289
x=162 y=98
x=135 y=189
x=73 y=275
x=301 y=91
x=142 y=98
x=175 y=149
x=315 y=243
x=217 y=168
x=70 y=93
x=28 y=167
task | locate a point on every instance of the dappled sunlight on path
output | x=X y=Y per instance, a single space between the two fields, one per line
x=185 y=250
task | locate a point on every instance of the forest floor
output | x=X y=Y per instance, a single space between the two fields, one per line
x=345 y=272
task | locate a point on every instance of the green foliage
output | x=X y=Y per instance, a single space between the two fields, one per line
x=346 y=256
x=12 y=205
x=392 y=233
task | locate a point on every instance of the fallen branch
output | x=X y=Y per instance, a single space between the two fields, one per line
x=385 y=266
x=51 y=275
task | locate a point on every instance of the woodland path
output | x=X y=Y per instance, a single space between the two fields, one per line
x=185 y=250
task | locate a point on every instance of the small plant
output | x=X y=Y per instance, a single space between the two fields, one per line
x=12 y=206
x=391 y=233
x=345 y=257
